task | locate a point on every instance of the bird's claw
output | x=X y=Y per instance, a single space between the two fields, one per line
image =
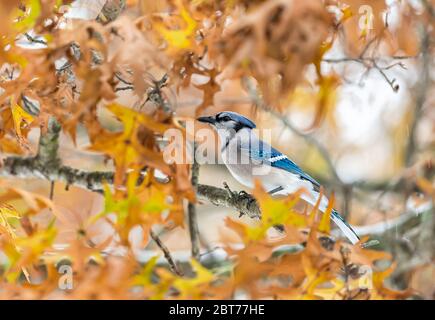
x=230 y=192
x=244 y=195
x=238 y=195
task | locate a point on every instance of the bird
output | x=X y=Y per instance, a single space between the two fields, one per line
x=248 y=158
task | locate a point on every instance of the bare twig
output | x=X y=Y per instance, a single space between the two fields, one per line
x=34 y=40
x=172 y=264
x=344 y=252
x=373 y=63
x=347 y=200
x=366 y=60
x=421 y=96
x=120 y=78
x=67 y=65
x=391 y=82
x=156 y=96
x=52 y=185
x=124 y=88
x=191 y=211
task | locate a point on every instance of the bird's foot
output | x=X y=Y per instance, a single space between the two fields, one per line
x=239 y=196
x=230 y=192
x=244 y=196
x=243 y=193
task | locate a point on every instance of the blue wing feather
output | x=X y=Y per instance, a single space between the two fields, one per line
x=265 y=152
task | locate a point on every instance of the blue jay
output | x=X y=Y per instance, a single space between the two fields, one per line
x=249 y=158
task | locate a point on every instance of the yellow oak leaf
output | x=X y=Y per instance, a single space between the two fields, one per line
x=190 y=287
x=28 y=20
x=325 y=221
x=126 y=148
x=181 y=38
x=20 y=118
x=275 y=212
x=8 y=214
x=23 y=251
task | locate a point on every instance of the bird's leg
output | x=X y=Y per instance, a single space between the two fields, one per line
x=230 y=193
x=241 y=195
x=244 y=195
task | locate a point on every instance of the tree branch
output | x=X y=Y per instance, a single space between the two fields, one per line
x=47 y=165
x=172 y=264
x=422 y=89
x=34 y=39
x=47 y=156
x=372 y=63
x=191 y=211
x=30 y=168
x=242 y=202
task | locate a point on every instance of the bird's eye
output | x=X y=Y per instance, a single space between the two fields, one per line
x=226 y=118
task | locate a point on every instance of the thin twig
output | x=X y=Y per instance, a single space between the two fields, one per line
x=156 y=96
x=51 y=196
x=191 y=210
x=391 y=82
x=344 y=252
x=172 y=264
x=34 y=40
x=120 y=78
x=64 y=67
x=366 y=59
x=124 y=88
x=372 y=63
x=422 y=90
x=347 y=200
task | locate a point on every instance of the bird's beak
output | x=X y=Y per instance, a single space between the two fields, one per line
x=207 y=119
